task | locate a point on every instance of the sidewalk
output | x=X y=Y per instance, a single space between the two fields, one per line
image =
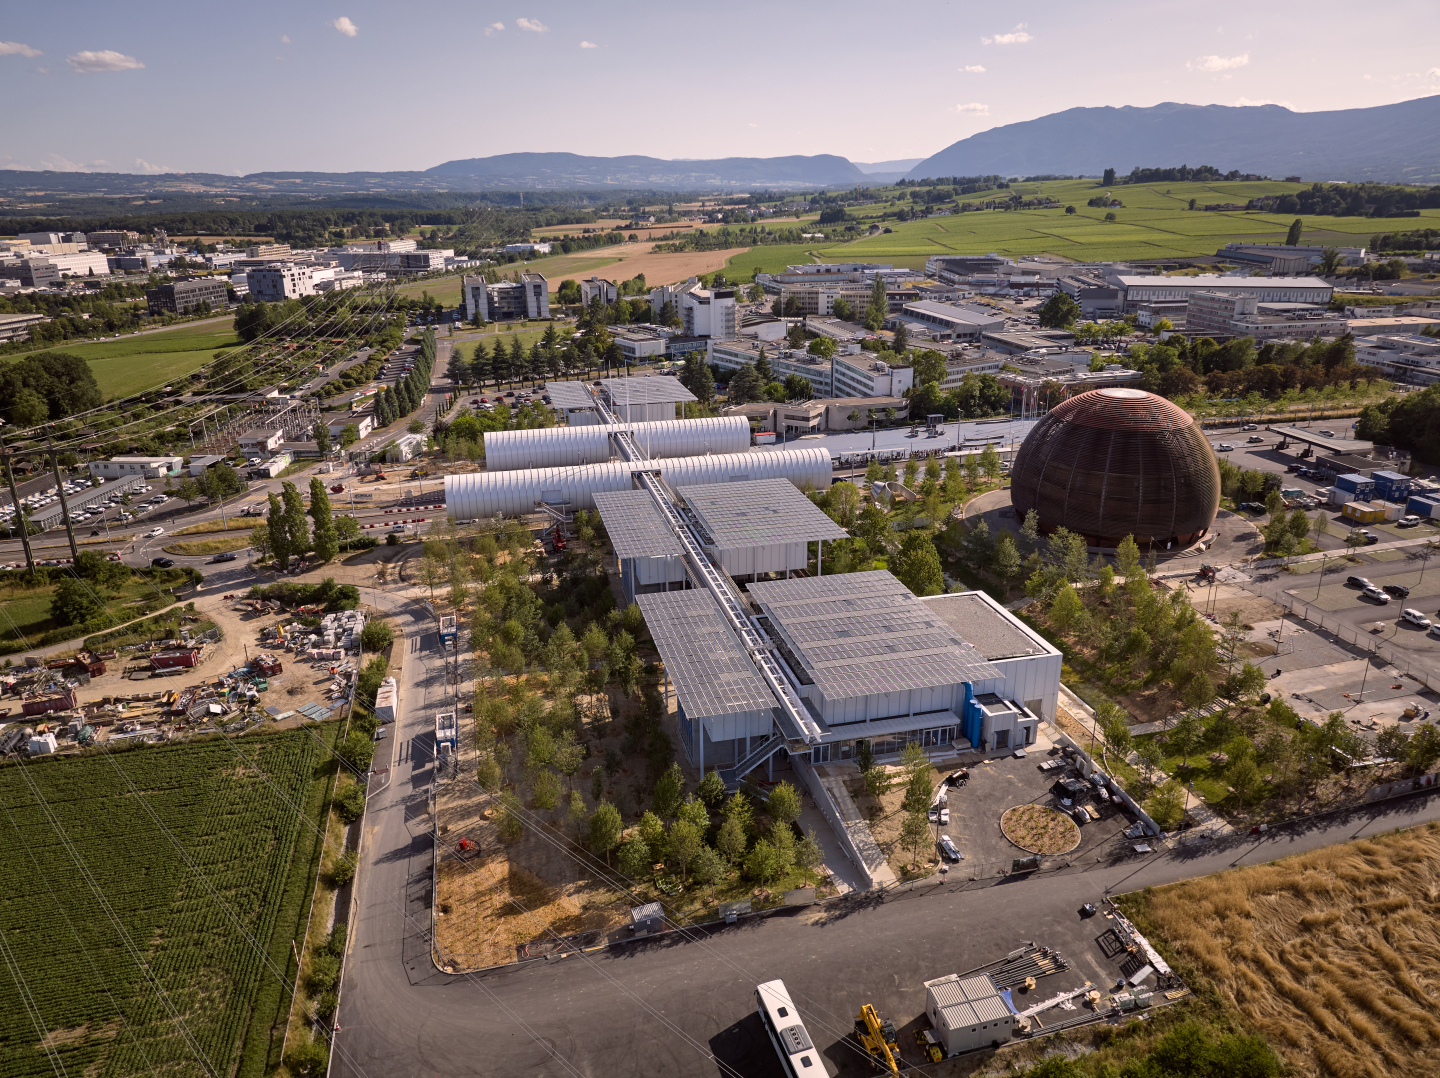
x=845 y=875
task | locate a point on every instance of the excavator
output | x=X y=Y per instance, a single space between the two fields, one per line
x=878 y=1038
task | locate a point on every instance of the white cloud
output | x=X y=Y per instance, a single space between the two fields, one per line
x=146 y=166
x=1018 y=36
x=533 y=25
x=1218 y=63
x=588 y=45
x=104 y=60
x=15 y=48
x=493 y=27
x=345 y=26
x=974 y=108
x=284 y=39
x=971 y=69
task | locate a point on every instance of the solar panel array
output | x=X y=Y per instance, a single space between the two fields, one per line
x=713 y=675
x=652 y=389
x=635 y=526
x=859 y=634
x=759 y=512
x=569 y=395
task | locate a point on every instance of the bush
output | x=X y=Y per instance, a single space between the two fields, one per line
x=368 y=684
x=377 y=635
x=350 y=802
x=392 y=539
x=324 y=973
x=335 y=942
x=326 y=1004
x=357 y=751
x=344 y=870
x=308 y=1059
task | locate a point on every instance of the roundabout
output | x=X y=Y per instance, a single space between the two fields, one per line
x=1038 y=829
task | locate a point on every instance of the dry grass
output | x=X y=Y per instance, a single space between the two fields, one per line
x=1039 y=829
x=1333 y=955
x=198 y=547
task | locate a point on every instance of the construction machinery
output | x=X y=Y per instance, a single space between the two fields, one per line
x=879 y=1039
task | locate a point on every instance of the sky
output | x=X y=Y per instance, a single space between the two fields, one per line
x=343 y=85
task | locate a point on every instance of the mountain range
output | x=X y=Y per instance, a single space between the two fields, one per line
x=1399 y=142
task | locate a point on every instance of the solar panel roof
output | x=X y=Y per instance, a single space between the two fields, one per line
x=636 y=528
x=859 y=634
x=648 y=389
x=713 y=675
x=569 y=395
x=759 y=512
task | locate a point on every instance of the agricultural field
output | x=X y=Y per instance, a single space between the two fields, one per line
x=1153 y=223
x=1331 y=955
x=197 y=860
x=133 y=364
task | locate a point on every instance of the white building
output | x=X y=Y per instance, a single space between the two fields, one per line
x=338 y=280
x=80 y=263
x=861 y=374
x=262 y=441
x=968 y=1014
x=278 y=281
x=757 y=527
x=1138 y=290
x=949 y=322
x=363 y=423
x=732 y=355
x=148 y=467
x=709 y=312
x=1410 y=358
x=404 y=448
x=527 y=248
x=527 y=298
x=598 y=288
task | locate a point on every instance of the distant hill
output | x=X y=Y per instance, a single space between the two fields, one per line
x=1391 y=143
x=569 y=170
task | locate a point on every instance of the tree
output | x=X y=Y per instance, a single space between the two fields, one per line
x=711 y=791
x=1166 y=805
x=915 y=834
x=745 y=385
x=808 y=852
x=605 y=828
x=763 y=370
x=669 y=793
x=278 y=533
x=1186 y=737
x=731 y=840
x=1423 y=750
x=1108 y=179
x=1006 y=560
x=798 y=388
x=377 y=635
x=1244 y=778
x=917 y=564
x=188 y=490
x=917 y=789
x=260 y=541
x=347 y=530
x=684 y=842
x=1113 y=729
x=1330 y=259
x=1110 y=217
x=73 y=602
x=350 y=434
x=708 y=866
x=1069 y=210
x=297 y=531
x=762 y=863
x=546 y=790
x=327 y=540
x=635 y=859
x=1066 y=610
x=879 y=307
x=784 y=805
x=1292 y=237
x=321 y=434
x=901 y=343
x=696 y=377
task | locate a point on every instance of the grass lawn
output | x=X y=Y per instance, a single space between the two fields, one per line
x=770 y=258
x=132 y=364
x=198 y=547
x=25 y=611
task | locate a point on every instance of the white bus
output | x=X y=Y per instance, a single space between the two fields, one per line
x=787 y=1033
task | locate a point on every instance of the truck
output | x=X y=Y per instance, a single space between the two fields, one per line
x=445 y=733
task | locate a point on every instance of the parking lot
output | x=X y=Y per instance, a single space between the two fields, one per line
x=997 y=785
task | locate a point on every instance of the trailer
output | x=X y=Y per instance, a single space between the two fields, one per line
x=45 y=704
x=446 y=733
x=175 y=659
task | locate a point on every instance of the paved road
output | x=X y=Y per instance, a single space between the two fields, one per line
x=675 y=1006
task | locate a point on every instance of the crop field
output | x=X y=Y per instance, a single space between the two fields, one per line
x=1332 y=955
x=192 y=859
x=1154 y=223
x=125 y=365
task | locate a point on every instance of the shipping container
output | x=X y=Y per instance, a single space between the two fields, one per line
x=176 y=659
x=1359 y=487
x=62 y=702
x=1423 y=507
x=1363 y=512
x=1391 y=486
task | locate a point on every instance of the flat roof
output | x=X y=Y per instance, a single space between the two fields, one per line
x=635 y=526
x=1336 y=445
x=1215 y=280
x=712 y=673
x=860 y=634
x=569 y=395
x=989 y=631
x=758 y=513
x=648 y=389
x=953 y=312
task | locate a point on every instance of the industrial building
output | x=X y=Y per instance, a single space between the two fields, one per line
x=181 y=297
x=968 y=1014
x=647 y=555
x=146 y=467
x=759 y=527
x=553 y=447
x=1138 y=290
x=645 y=400
x=949 y=322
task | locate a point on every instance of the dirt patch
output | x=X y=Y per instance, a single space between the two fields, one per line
x=1039 y=829
x=1225 y=599
x=1332 y=955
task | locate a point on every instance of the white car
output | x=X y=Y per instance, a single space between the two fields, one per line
x=1414 y=617
x=1224 y=447
x=1372 y=592
x=153 y=532
x=941 y=816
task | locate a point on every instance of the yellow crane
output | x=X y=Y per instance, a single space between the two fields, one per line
x=879 y=1039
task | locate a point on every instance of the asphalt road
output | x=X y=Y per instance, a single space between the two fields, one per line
x=684 y=1006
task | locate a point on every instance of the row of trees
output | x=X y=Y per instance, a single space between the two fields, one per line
x=287 y=534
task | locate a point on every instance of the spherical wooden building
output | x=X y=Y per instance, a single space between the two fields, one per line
x=1116 y=462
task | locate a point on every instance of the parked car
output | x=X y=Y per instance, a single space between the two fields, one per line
x=1408 y=522
x=1366 y=537
x=161 y=563
x=1253 y=439
x=1399 y=591
x=940 y=815
x=1414 y=617
x=1375 y=594
x=1357 y=581
x=948 y=850
x=1326 y=433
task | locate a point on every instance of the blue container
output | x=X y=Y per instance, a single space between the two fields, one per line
x=1423 y=507
x=1356 y=484
x=1392 y=486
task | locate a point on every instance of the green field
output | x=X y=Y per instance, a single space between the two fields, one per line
x=233 y=809
x=25 y=610
x=133 y=364
x=1153 y=223
x=768 y=259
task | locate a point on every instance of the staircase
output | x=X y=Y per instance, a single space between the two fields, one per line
x=751 y=760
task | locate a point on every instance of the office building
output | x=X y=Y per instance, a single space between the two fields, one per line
x=505 y=300
x=270 y=252
x=275 y=282
x=862 y=374
x=1411 y=358
x=181 y=297
x=709 y=312
x=638 y=343
x=16 y=327
x=1237 y=314
x=145 y=467
x=598 y=288
x=1138 y=290
x=732 y=355
x=949 y=322
x=37 y=273
x=112 y=238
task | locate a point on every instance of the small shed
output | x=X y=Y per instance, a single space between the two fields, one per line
x=387 y=700
x=968 y=1014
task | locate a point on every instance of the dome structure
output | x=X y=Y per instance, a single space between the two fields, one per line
x=1115 y=462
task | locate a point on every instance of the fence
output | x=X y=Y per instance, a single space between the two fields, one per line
x=1407 y=665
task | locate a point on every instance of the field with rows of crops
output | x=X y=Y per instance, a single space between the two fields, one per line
x=147 y=903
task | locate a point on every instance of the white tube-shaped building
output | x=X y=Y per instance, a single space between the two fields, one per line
x=514 y=493
x=558 y=447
